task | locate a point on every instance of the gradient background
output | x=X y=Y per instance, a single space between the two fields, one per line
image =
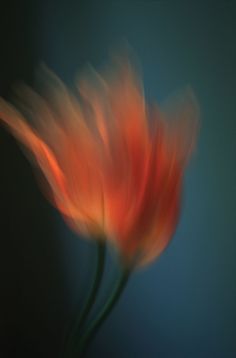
x=184 y=305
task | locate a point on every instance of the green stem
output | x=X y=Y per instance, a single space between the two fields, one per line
x=106 y=310
x=79 y=322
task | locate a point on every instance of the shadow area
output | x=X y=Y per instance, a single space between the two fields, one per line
x=33 y=295
x=33 y=298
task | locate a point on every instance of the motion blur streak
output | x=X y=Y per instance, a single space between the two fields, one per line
x=114 y=165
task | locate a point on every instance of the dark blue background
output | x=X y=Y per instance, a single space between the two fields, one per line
x=184 y=305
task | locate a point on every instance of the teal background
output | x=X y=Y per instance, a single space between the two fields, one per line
x=183 y=305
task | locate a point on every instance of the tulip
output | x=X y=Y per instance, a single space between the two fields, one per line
x=111 y=163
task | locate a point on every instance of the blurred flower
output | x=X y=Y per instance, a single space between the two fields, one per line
x=113 y=165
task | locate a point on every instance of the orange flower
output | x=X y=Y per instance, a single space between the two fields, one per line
x=114 y=166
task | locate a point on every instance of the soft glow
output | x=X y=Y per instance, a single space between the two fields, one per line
x=113 y=164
